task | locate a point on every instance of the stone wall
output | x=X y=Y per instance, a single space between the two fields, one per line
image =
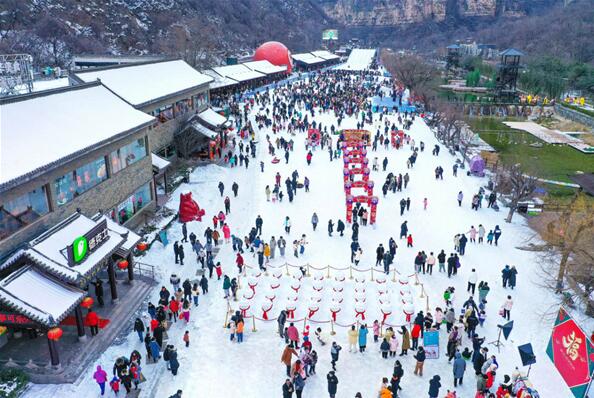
x=575 y=116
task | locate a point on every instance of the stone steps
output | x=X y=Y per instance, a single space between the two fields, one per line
x=120 y=319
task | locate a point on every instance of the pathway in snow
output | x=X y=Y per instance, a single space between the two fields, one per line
x=214 y=367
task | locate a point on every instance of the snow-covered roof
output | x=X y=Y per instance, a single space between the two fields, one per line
x=212 y=118
x=48 y=251
x=239 y=72
x=43 y=129
x=159 y=162
x=146 y=83
x=130 y=237
x=48 y=84
x=39 y=296
x=359 y=59
x=308 y=58
x=219 y=81
x=265 y=67
x=202 y=129
x=327 y=55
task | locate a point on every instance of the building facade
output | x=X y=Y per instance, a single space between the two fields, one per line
x=169 y=90
x=97 y=166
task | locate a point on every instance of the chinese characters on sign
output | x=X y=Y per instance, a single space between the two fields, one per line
x=7 y=318
x=572 y=345
x=87 y=243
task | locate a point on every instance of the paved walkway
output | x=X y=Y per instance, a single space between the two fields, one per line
x=542 y=133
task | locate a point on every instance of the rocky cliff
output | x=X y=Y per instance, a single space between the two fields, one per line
x=381 y=13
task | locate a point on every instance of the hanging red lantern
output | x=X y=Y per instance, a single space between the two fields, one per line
x=122 y=264
x=142 y=246
x=87 y=302
x=54 y=334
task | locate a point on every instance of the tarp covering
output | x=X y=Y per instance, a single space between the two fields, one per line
x=477 y=165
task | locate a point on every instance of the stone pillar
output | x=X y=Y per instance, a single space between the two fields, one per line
x=112 y=281
x=80 y=324
x=53 y=351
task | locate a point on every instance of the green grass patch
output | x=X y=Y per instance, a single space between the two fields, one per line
x=578 y=109
x=553 y=162
x=12 y=383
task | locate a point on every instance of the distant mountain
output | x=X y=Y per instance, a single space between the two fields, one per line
x=205 y=31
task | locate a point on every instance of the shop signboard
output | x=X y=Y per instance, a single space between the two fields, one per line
x=86 y=244
x=12 y=319
x=572 y=353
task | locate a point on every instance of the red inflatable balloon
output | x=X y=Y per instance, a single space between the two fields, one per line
x=189 y=209
x=276 y=53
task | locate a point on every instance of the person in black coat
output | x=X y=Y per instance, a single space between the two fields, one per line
x=181 y=254
x=340 y=227
x=204 y=284
x=176 y=251
x=434 y=386
x=332 y=384
x=164 y=294
x=147 y=345
x=173 y=362
x=355 y=231
x=99 y=291
x=139 y=328
x=288 y=389
x=396 y=378
x=480 y=360
x=282 y=318
x=404 y=230
x=187 y=285
x=184 y=232
x=330 y=227
x=120 y=365
x=158 y=334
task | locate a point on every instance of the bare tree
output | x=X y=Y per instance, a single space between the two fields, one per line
x=412 y=71
x=568 y=253
x=516 y=185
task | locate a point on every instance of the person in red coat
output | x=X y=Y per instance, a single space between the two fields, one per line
x=490 y=379
x=414 y=334
x=239 y=262
x=92 y=320
x=174 y=308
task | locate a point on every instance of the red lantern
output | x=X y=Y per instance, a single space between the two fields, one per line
x=122 y=264
x=54 y=334
x=142 y=246
x=87 y=302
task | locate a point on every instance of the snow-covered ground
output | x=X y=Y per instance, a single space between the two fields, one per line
x=215 y=367
x=359 y=59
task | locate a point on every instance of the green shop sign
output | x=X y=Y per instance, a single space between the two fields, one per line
x=86 y=244
x=80 y=246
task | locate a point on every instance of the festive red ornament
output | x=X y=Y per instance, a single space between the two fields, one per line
x=54 y=334
x=87 y=302
x=142 y=246
x=122 y=264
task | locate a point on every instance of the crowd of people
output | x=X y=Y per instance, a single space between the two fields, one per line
x=290 y=112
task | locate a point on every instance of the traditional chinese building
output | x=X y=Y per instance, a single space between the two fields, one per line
x=75 y=173
x=170 y=90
